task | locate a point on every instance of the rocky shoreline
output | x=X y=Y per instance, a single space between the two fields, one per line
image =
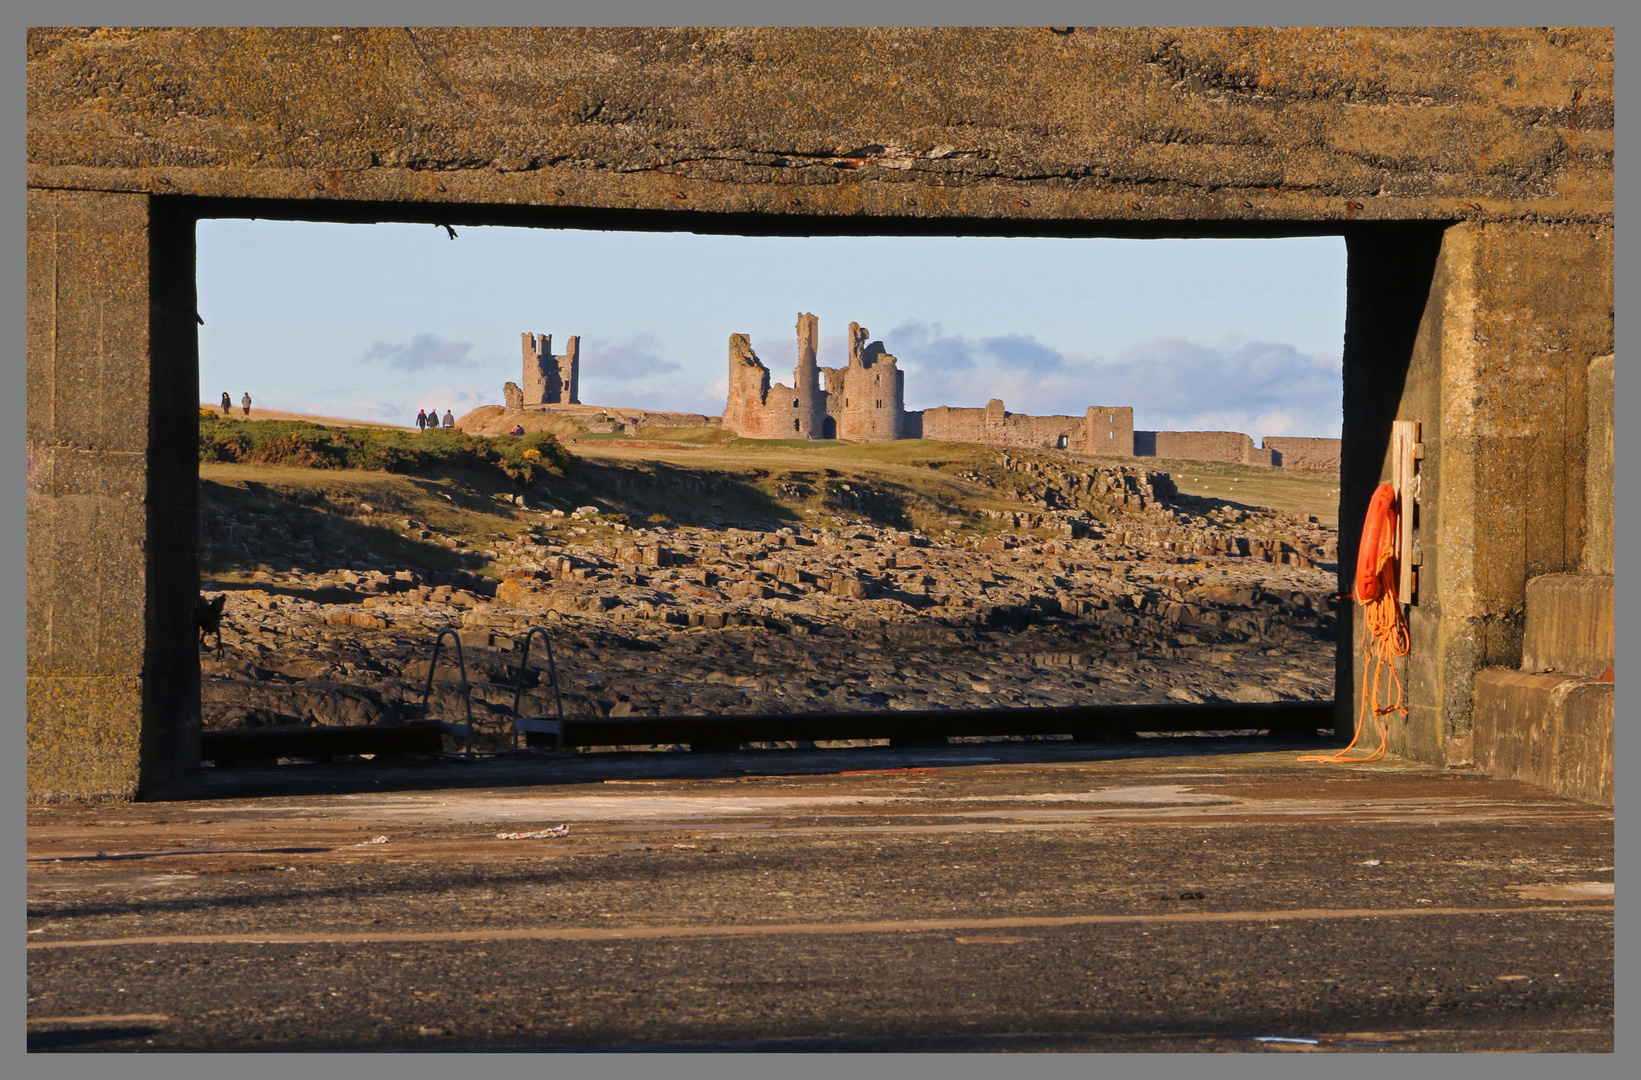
x=1148 y=604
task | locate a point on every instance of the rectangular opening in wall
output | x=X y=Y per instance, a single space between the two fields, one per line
x=1074 y=471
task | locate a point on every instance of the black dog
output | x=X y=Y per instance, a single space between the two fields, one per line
x=208 y=618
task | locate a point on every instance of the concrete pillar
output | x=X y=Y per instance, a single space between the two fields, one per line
x=1482 y=333
x=112 y=497
x=1598 y=473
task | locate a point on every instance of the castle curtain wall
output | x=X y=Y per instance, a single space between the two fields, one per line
x=1232 y=446
x=1291 y=452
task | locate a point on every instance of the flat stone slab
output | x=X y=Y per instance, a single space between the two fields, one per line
x=1212 y=894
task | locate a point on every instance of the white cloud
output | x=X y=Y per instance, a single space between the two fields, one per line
x=1257 y=387
x=424 y=351
x=632 y=374
x=662 y=397
x=458 y=400
x=383 y=412
x=624 y=361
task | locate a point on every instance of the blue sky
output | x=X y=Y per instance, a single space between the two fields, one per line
x=376 y=321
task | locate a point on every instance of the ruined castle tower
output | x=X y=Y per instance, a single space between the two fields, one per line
x=862 y=401
x=758 y=409
x=866 y=398
x=549 y=379
x=809 y=401
x=748 y=389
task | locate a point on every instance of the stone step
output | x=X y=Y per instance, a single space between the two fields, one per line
x=1554 y=731
x=1569 y=628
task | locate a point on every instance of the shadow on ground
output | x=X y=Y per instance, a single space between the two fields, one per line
x=526 y=770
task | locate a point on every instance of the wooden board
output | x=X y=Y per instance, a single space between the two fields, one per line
x=1404 y=435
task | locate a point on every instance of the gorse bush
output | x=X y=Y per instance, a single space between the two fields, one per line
x=296 y=443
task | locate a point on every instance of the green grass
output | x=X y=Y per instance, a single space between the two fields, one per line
x=918 y=484
x=706 y=434
x=904 y=484
x=522 y=459
x=1298 y=491
x=754 y=445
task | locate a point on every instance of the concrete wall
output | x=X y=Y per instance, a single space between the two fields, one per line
x=1549 y=730
x=1489 y=350
x=1291 y=452
x=1469 y=170
x=112 y=497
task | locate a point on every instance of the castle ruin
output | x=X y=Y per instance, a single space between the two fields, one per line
x=862 y=402
x=865 y=402
x=548 y=379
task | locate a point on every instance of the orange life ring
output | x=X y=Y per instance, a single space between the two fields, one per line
x=1384 y=631
x=1380 y=524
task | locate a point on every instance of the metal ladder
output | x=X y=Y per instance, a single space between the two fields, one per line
x=539 y=725
x=522 y=725
x=449 y=727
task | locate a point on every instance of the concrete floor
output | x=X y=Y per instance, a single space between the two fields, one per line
x=1167 y=895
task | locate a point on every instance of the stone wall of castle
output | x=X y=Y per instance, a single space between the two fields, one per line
x=549 y=379
x=1102 y=429
x=751 y=410
x=1109 y=430
x=1296 y=453
x=1231 y=446
x=864 y=401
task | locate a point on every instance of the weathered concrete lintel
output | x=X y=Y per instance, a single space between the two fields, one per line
x=749 y=218
x=456 y=196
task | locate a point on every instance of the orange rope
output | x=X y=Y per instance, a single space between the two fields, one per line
x=1384 y=637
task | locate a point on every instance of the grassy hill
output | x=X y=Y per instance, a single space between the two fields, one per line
x=280 y=493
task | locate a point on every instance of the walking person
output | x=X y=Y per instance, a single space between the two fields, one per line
x=421 y=420
x=449 y=421
x=227 y=406
x=246 y=402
